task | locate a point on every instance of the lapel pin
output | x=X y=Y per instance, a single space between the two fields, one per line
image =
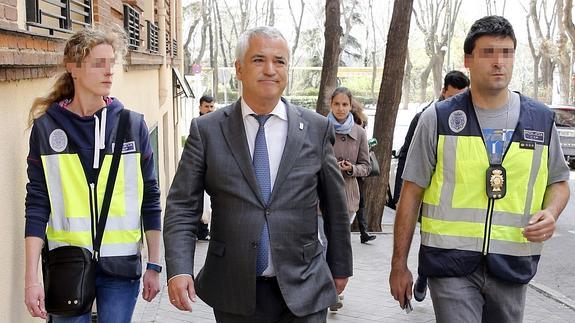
x=301 y=126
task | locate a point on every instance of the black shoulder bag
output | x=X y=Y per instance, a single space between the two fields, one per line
x=70 y=271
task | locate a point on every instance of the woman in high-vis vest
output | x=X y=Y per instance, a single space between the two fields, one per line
x=71 y=144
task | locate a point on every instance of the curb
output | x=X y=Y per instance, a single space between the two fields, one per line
x=553 y=294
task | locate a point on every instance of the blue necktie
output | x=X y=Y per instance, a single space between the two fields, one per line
x=262 y=168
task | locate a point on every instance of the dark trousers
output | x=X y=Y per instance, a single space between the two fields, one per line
x=270 y=308
x=359 y=214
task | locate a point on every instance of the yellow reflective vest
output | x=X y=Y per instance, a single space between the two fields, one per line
x=461 y=226
x=75 y=200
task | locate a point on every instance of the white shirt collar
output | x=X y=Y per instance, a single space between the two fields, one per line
x=279 y=111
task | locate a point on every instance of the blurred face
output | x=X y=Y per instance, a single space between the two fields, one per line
x=340 y=107
x=206 y=107
x=94 y=74
x=491 y=63
x=264 y=70
x=451 y=91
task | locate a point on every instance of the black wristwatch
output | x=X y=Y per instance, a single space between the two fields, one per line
x=155 y=267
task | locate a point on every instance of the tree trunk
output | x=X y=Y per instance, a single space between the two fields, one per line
x=220 y=34
x=187 y=53
x=206 y=21
x=423 y=82
x=214 y=56
x=437 y=72
x=297 y=26
x=563 y=59
x=271 y=16
x=387 y=105
x=331 y=54
x=373 y=52
x=536 y=59
x=570 y=29
x=407 y=82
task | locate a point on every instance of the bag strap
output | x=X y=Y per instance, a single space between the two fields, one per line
x=101 y=225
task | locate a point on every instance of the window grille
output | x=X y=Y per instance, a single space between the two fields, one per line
x=132 y=26
x=64 y=16
x=153 y=41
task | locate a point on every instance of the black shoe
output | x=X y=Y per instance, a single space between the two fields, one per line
x=420 y=289
x=366 y=238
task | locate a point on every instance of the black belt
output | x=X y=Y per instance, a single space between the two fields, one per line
x=266 y=278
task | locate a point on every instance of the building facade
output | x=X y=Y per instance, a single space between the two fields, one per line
x=32 y=38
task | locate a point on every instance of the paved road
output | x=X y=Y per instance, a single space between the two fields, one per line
x=367 y=297
x=557 y=266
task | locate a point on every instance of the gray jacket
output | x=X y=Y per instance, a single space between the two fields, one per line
x=216 y=158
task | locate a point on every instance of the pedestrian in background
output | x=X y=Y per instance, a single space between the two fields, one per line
x=207 y=104
x=454 y=83
x=361 y=119
x=73 y=129
x=266 y=165
x=488 y=167
x=350 y=149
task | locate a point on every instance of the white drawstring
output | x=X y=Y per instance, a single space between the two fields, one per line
x=103 y=128
x=99 y=136
x=96 y=164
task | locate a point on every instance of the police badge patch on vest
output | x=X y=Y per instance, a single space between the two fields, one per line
x=457 y=121
x=58 y=140
x=496 y=185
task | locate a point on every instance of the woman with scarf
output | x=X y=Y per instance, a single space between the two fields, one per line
x=351 y=151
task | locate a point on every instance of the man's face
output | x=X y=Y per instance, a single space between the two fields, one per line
x=491 y=63
x=206 y=107
x=451 y=91
x=264 y=71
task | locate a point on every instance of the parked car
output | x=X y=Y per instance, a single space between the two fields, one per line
x=565 y=121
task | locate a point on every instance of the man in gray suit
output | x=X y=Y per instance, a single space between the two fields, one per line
x=266 y=165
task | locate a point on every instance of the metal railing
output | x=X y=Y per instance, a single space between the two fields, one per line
x=132 y=26
x=174 y=48
x=58 y=15
x=153 y=40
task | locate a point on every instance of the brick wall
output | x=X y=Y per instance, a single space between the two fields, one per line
x=8 y=14
x=28 y=55
x=24 y=55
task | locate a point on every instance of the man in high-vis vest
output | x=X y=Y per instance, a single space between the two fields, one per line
x=488 y=171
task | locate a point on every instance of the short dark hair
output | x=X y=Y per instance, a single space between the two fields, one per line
x=206 y=98
x=456 y=79
x=488 y=26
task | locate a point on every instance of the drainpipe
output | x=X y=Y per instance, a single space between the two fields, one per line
x=163 y=90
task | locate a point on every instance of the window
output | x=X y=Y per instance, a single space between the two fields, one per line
x=132 y=26
x=153 y=41
x=62 y=16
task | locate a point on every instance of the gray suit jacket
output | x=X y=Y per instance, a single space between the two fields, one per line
x=216 y=159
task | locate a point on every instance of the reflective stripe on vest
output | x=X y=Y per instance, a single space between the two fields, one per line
x=454 y=210
x=68 y=190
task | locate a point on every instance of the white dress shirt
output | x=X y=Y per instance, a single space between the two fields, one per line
x=276 y=129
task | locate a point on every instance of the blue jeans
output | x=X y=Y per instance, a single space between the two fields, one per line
x=115 y=299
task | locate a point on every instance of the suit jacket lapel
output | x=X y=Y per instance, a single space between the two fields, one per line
x=235 y=136
x=297 y=128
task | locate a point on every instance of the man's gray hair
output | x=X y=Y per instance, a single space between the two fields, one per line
x=244 y=40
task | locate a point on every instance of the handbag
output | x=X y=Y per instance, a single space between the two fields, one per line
x=374 y=164
x=69 y=272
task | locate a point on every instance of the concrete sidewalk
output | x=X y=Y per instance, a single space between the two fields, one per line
x=367 y=297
